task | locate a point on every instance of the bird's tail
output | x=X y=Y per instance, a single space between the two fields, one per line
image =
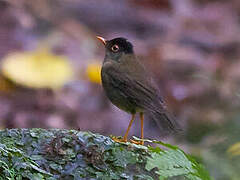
x=164 y=120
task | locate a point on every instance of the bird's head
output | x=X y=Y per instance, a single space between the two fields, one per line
x=116 y=47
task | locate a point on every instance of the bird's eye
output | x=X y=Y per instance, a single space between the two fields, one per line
x=115 y=48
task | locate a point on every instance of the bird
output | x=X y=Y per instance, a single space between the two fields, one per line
x=129 y=86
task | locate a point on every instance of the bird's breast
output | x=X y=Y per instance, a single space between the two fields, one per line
x=114 y=91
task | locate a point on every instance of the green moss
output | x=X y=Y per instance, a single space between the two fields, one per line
x=68 y=154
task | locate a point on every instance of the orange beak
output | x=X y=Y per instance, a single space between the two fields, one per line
x=101 y=39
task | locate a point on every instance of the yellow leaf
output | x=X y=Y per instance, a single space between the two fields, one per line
x=234 y=150
x=94 y=72
x=37 y=69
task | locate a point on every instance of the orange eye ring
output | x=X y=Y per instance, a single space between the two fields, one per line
x=115 y=48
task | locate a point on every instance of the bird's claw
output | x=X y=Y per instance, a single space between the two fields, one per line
x=123 y=140
x=137 y=142
x=119 y=140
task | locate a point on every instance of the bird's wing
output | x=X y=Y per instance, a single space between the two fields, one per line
x=142 y=92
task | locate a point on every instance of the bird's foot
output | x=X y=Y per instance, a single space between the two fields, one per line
x=137 y=142
x=119 y=140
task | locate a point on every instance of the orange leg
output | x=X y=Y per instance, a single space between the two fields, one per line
x=142 y=136
x=126 y=134
x=128 y=129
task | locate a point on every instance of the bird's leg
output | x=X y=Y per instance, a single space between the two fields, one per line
x=142 y=136
x=128 y=129
x=124 y=139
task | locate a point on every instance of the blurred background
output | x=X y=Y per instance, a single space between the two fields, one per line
x=51 y=60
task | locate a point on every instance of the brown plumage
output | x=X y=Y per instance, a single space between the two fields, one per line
x=130 y=88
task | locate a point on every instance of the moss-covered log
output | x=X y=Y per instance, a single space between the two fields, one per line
x=68 y=154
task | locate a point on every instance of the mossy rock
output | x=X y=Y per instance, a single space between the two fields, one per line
x=39 y=154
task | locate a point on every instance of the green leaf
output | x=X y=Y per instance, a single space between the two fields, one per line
x=174 y=162
x=170 y=163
